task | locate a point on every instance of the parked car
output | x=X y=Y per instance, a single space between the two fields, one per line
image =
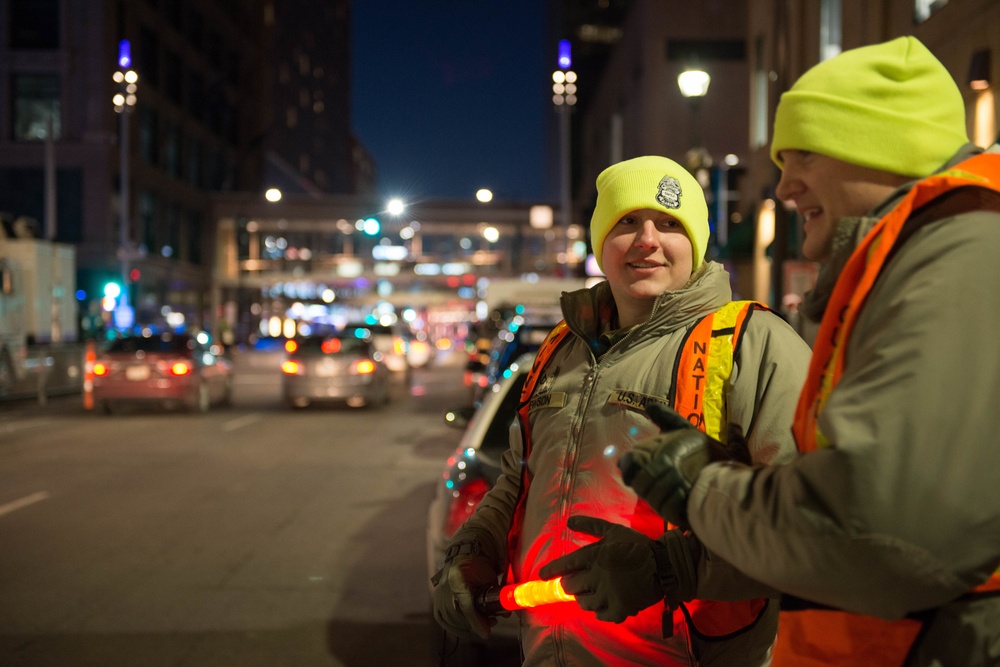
x=389 y=341
x=172 y=369
x=342 y=368
x=470 y=472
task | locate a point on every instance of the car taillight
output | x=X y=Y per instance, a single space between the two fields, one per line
x=364 y=367
x=291 y=346
x=290 y=367
x=463 y=503
x=101 y=368
x=180 y=368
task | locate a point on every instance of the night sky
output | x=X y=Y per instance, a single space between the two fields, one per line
x=449 y=96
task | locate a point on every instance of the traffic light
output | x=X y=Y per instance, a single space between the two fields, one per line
x=371 y=226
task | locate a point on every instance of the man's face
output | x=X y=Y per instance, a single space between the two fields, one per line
x=824 y=189
x=646 y=253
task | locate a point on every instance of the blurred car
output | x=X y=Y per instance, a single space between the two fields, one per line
x=337 y=368
x=519 y=335
x=472 y=470
x=389 y=341
x=477 y=349
x=420 y=351
x=171 y=369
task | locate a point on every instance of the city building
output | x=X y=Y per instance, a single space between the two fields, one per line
x=129 y=179
x=753 y=50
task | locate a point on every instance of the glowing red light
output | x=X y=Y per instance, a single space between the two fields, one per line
x=331 y=346
x=464 y=504
x=100 y=369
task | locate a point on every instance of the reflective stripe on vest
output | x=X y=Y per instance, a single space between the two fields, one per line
x=701 y=373
x=855 y=282
x=830 y=638
x=705 y=364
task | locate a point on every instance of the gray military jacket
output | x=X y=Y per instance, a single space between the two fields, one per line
x=589 y=412
x=902 y=512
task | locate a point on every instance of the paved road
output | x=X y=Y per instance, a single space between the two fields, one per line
x=247 y=536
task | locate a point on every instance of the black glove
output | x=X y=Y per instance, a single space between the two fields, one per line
x=454 y=596
x=616 y=577
x=663 y=469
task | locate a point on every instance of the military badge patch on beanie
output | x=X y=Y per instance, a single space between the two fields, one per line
x=651 y=182
x=890 y=106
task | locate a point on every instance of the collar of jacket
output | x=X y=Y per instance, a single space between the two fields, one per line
x=848 y=234
x=591 y=312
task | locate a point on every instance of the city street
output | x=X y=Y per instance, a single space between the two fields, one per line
x=251 y=535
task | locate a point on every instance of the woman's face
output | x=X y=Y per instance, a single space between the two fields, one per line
x=645 y=254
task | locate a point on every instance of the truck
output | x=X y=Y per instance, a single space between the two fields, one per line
x=40 y=351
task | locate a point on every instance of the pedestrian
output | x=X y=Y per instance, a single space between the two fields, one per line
x=661 y=329
x=886 y=529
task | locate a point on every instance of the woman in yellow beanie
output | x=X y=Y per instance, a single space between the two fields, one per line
x=887 y=527
x=661 y=330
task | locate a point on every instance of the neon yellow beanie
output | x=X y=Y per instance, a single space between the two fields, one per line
x=651 y=182
x=890 y=106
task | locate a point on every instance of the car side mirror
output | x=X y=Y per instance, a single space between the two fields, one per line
x=459 y=417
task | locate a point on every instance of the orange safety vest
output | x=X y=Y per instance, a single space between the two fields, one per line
x=826 y=637
x=701 y=371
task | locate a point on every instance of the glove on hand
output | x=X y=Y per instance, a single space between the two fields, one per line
x=615 y=577
x=663 y=469
x=454 y=596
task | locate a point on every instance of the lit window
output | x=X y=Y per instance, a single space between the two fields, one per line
x=36 y=105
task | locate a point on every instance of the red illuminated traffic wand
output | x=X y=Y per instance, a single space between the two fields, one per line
x=496 y=600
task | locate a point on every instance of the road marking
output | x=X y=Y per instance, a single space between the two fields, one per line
x=234 y=424
x=10 y=427
x=23 y=502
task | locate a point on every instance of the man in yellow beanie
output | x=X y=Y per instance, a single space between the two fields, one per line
x=661 y=330
x=886 y=528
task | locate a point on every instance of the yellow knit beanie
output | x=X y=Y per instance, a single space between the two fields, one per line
x=890 y=106
x=650 y=182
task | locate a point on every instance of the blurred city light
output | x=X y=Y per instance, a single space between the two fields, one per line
x=395 y=206
x=693 y=82
x=484 y=195
x=565 y=54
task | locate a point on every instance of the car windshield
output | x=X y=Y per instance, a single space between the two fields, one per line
x=333 y=345
x=165 y=343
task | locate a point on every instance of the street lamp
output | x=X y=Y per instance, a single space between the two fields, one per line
x=694 y=86
x=124 y=101
x=564 y=98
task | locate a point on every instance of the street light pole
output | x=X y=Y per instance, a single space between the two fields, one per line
x=124 y=100
x=564 y=98
x=694 y=86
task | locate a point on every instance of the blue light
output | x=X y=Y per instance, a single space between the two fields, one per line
x=124 y=54
x=565 y=59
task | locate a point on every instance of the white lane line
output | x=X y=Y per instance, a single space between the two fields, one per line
x=10 y=427
x=23 y=502
x=246 y=420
